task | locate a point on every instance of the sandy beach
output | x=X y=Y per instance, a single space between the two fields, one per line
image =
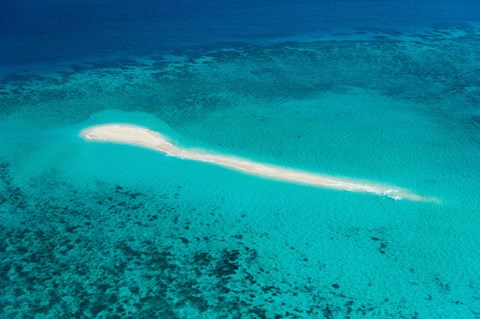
x=143 y=137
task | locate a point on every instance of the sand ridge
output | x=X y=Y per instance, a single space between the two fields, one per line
x=140 y=136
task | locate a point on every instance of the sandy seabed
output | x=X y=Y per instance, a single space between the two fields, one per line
x=143 y=137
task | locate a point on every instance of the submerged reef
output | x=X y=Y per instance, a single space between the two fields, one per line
x=418 y=67
x=115 y=252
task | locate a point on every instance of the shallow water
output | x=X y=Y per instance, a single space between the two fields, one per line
x=104 y=230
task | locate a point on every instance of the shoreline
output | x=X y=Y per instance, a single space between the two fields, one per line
x=143 y=137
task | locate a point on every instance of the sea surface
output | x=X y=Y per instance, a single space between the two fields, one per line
x=380 y=91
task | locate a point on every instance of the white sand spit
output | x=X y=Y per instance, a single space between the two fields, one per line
x=139 y=136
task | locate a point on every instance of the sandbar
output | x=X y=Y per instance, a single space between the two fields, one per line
x=143 y=137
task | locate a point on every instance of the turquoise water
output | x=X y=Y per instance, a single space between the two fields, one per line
x=108 y=231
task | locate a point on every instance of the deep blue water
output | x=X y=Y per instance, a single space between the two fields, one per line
x=61 y=31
